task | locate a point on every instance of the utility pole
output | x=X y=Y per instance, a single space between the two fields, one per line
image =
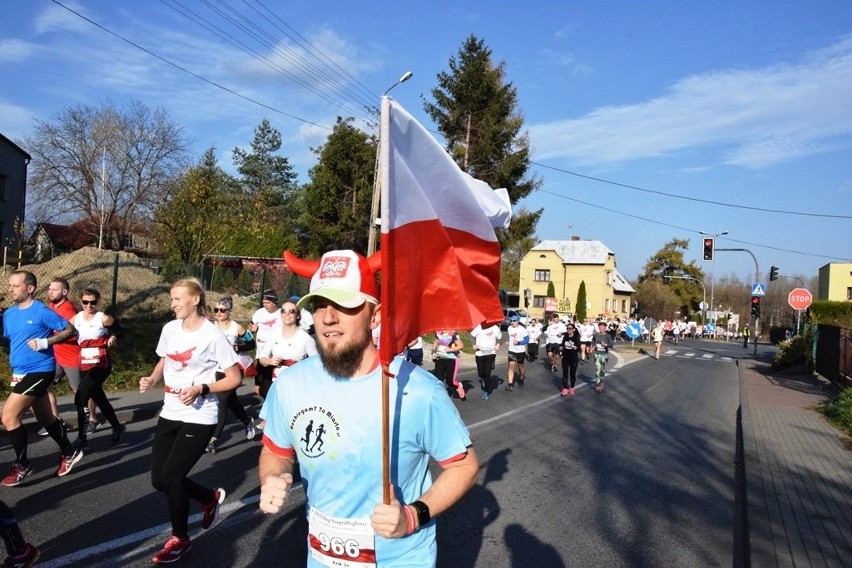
x=757 y=277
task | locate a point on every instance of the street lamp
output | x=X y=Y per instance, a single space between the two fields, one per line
x=374 y=207
x=712 y=276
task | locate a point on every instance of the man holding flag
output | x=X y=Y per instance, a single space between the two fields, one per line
x=340 y=392
x=437 y=242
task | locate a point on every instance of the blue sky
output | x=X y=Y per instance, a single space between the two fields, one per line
x=636 y=111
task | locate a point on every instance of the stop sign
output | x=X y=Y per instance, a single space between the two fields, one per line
x=799 y=299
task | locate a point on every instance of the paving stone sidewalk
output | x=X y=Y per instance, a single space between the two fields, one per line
x=798 y=471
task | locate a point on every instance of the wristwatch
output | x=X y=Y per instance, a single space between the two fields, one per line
x=423 y=516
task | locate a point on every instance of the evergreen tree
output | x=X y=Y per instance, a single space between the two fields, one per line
x=268 y=204
x=551 y=290
x=686 y=290
x=336 y=202
x=476 y=112
x=581 y=301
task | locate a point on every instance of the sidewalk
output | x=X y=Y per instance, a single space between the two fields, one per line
x=798 y=471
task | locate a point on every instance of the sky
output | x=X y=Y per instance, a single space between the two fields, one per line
x=647 y=121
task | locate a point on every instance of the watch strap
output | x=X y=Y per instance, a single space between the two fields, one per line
x=423 y=515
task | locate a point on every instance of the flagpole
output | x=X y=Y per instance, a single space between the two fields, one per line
x=384 y=122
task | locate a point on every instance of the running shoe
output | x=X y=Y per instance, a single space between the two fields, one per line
x=211 y=446
x=571 y=391
x=80 y=443
x=23 y=560
x=521 y=383
x=117 y=433
x=564 y=392
x=211 y=510
x=251 y=431
x=67 y=463
x=42 y=432
x=600 y=387
x=93 y=426
x=17 y=475
x=174 y=549
x=509 y=388
x=460 y=391
x=484 y=395
x=553 y=368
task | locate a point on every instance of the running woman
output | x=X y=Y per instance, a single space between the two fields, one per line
x=517 y=339
x=570 y=359
x=241 y=340
x=191 y=350
x=96 y=333
x=288 y=345
x=446 y=350
x=602 y=342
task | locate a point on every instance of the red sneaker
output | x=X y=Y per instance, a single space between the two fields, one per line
x=25 y=559
x=66 y=463
x=571 y=391
x=17 y=475
x=174 y=549
x=564 y=392
x=211 y=510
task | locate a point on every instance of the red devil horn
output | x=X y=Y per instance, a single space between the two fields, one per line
x=305 y=268
x=374 y=261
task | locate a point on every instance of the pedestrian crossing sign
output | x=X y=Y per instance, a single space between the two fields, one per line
x=758 y=289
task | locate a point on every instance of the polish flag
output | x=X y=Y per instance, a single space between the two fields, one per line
x=440 y=256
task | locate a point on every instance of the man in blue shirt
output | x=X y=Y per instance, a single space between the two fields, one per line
x=31 y=329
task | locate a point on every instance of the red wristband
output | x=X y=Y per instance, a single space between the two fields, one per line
x=409 y=514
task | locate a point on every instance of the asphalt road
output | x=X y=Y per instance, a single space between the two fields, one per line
x=640 y=475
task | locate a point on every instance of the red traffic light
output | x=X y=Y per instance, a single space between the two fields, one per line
x=708 y=250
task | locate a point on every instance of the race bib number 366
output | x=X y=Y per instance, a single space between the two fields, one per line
x=341 y=543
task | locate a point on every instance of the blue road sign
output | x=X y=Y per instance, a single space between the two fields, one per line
x=710 y=327
x=634 y=330
x=758 y=289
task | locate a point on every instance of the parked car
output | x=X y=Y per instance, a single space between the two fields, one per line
x=509 y=312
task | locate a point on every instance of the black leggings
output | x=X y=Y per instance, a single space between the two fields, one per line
x=92 y=386
x=570 y=360
x=229 y=399
x=444 y=369
x=177 y=448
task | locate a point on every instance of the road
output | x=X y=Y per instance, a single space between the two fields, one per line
x=640 y=475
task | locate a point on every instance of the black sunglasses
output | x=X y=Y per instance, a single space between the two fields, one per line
x=221 y=310
x=88 y=302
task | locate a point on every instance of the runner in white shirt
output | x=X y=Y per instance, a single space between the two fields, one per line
x=486 y=343
x=586 y=330
x=534 y=331
x=553 y=341
x=517 y=339
x=288 y=346
x=264 y=323
x=191 y=350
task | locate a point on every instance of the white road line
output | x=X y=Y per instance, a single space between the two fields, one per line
x=707 y=356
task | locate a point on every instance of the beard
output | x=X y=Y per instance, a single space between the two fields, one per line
x=344 y=360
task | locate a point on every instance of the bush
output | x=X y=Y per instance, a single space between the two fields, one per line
x=839 y=410
x=794 y=352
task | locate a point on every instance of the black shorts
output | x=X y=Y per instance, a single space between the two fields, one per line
x=553 y=348
x=586 y=343
x=518 y=358
x=34 y=384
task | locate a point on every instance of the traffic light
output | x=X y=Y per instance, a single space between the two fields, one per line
x=709 y=248
x=755 y=307
x=773 y=273
x=527 y=297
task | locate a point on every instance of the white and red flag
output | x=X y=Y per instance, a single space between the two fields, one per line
x=440 y=256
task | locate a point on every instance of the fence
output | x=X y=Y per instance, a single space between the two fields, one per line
x=833 y=356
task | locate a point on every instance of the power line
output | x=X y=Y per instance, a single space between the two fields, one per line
x=187 y=71
x=686 y=229
x=719 y=203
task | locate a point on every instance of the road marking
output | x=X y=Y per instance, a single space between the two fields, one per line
x=707 y=356
x=690 y=354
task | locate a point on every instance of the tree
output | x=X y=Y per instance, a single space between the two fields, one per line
x=195 y=218
x=268 y=203
x=551 y=290
x=657 y=300
x=475 y=111
x=336 y=202
x=581 y=301
x=104 y=163
x=668 y=261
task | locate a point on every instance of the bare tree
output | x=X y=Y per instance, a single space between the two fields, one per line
x=104 y=164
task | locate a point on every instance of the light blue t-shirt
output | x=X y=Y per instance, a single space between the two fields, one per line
x=334 y=426
x=34 y=322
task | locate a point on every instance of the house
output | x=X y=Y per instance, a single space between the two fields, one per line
x=566 y=264
x=13 y=191
x=50 y=240
x=835 y=282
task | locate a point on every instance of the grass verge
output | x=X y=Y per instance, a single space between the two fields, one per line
x=839 y=411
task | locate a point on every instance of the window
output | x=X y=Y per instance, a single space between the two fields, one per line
x=2 y=188
x=542 y=275
x=606 y=305
x=538 y=301
x=849 y=294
